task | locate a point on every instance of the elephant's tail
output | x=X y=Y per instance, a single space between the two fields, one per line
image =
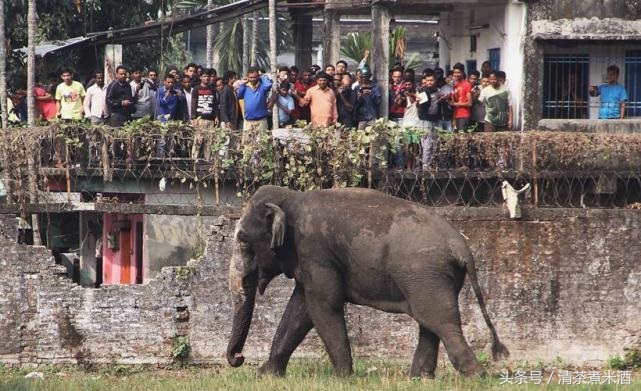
x=499 y=351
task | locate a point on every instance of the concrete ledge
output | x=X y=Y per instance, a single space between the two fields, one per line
x=587 y=29
x=591 y=125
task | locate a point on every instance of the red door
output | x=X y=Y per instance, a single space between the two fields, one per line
x=125 y=257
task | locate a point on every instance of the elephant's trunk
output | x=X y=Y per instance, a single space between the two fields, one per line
x=243 y=312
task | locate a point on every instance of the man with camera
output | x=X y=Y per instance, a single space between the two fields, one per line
x=368 y=100
x=141 y=89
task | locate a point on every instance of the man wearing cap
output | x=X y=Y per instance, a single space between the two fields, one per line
x=322 y=102
x=368 y=100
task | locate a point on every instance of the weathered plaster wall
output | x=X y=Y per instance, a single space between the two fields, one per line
x=558 y=283
x=564 y=9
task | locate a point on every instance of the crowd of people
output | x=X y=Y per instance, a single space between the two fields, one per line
x=433 y=101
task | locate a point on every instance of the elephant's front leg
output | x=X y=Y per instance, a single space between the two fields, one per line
x=326 y=306
x=291 y=331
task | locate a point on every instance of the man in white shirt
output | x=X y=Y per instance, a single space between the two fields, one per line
x=94 y=104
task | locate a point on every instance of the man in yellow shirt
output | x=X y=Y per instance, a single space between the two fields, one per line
x=69 y=97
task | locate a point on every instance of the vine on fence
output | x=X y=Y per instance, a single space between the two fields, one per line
x=304 y=159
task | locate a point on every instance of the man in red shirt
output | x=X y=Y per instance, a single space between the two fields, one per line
x=461 y=98
x=300 y=89
x=45 y=102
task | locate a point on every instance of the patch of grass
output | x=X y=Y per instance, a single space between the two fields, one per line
x=306 y=375
x=631 y=360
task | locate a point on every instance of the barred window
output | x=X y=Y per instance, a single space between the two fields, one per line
x=565 y=86
x=494 y=56
x=633 y=82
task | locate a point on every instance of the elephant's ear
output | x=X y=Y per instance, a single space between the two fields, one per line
x=279 y=222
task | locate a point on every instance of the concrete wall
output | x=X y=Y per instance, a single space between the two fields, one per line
x=560 y=283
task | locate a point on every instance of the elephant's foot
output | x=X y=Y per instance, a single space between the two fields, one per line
x=421 y=374
x=473 y=369
x=269 y=368
x=343 y=371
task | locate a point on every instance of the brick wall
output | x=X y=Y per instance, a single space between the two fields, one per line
x=560 y=282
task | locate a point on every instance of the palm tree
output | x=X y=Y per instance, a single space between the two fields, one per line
x=210 y=37
x=254 y=39
x=273 y=50
x=245 y=22
x=31 y=106
x=3 y=70
x=354 y=44
x=3 y=104
x=31 y=61
x=230 y=43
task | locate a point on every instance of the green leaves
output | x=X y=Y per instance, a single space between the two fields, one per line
x=353 y=45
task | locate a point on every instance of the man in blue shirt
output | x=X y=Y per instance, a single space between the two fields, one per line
x=167 y=100
x=255 y=91
x=613 y=96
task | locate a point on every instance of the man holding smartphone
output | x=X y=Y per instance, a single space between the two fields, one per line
x=368 y=100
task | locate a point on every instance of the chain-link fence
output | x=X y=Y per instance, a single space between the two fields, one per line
x=179 y=164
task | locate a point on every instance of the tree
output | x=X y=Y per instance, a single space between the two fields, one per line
x=31 y=114
x=231 y=42
x=3 y=70
x=210 y=38
x=354 y=44
x=31 y=62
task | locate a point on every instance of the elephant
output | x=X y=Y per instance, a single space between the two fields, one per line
x=357 y=246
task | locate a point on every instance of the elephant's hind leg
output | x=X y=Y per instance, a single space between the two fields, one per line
x=442 y=317
x=292 y=329
x=426 y=355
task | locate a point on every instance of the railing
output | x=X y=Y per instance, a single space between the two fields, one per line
x=564 y=169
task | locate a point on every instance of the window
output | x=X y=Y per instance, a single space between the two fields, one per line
x=494 y=56
x=473 y=43
x=470 y=66
x=633 y=82
x=565 y=85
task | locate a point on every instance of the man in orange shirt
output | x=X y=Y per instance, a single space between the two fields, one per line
x=322 y=102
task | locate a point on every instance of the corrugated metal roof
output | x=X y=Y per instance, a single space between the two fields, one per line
x=45 y=48
x=153 y=30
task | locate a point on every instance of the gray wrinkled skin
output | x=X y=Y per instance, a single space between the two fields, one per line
x=358 y=246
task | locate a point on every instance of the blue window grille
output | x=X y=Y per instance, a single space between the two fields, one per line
x=494 y=56
x=565 y=85
x=633 y=82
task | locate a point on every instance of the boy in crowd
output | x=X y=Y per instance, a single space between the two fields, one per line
x=204 y=111
x=69 y=97
x=462 y=98
x=498 y=110
x=345 y=99
x=285 y=103
x=613 y=96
